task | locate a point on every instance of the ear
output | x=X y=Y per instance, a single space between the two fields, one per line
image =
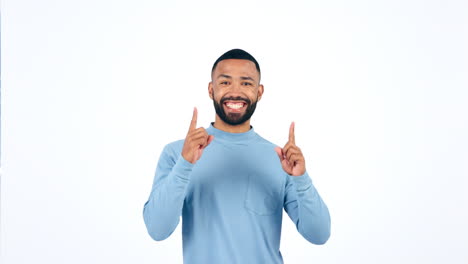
x=260 y=92
x=210 y=90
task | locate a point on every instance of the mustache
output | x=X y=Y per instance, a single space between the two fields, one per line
x=238 y=98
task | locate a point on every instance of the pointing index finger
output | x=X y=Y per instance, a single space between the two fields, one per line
x=292 y=138
x=193 y=123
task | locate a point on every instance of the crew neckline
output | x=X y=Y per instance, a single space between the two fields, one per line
x=220 y=134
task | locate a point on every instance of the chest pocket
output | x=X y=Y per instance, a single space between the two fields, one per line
x=263 y=197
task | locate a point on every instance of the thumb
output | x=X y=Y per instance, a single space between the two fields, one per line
x=279 y=151
x=210 y=138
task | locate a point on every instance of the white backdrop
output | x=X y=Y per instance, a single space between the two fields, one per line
x=93 y=89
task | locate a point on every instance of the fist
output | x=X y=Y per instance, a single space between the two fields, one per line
x=196 y=141
x=291 y=157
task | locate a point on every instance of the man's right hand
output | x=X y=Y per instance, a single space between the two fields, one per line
x=196 y=141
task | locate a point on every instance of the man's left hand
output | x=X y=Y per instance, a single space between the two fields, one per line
x=291 y=156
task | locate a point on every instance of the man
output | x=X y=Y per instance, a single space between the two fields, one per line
x=229 y=184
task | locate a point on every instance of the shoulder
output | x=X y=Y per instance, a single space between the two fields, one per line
x=264 y=142
x=174 y=148
x=265 y=148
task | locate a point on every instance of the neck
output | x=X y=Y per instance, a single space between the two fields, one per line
x=221 y=125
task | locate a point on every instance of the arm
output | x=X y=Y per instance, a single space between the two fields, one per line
x=306 y=209
x=163 y=209
x=302 y=201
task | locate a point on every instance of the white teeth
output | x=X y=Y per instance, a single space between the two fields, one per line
x=234 y=106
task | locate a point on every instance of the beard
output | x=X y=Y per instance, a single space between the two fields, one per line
x=234 y=119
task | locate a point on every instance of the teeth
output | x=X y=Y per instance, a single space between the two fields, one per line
x=234 y=106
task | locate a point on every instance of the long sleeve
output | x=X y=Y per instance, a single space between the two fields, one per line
x=306 y=209
x=163 y=209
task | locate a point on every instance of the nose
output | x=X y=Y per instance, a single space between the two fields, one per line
x=236 y=86
x=235 y=91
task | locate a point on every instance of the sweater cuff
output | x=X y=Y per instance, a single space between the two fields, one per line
x=182 y=169
x=302 y=183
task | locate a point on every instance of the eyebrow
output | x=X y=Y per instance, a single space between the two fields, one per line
x=229 y=77
x=224 y=76
x=247 y=78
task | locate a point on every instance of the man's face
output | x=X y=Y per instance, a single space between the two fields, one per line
x=235 y=89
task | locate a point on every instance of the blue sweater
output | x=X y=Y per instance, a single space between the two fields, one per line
x=231 y=201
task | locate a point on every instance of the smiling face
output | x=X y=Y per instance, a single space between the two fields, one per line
x=235 y=89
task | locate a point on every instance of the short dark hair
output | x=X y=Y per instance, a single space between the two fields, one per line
x=236 y=54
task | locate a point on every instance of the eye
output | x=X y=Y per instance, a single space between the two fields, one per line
x=247 y=84
x=224 y=83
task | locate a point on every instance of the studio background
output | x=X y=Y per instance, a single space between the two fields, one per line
x=93 y=90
